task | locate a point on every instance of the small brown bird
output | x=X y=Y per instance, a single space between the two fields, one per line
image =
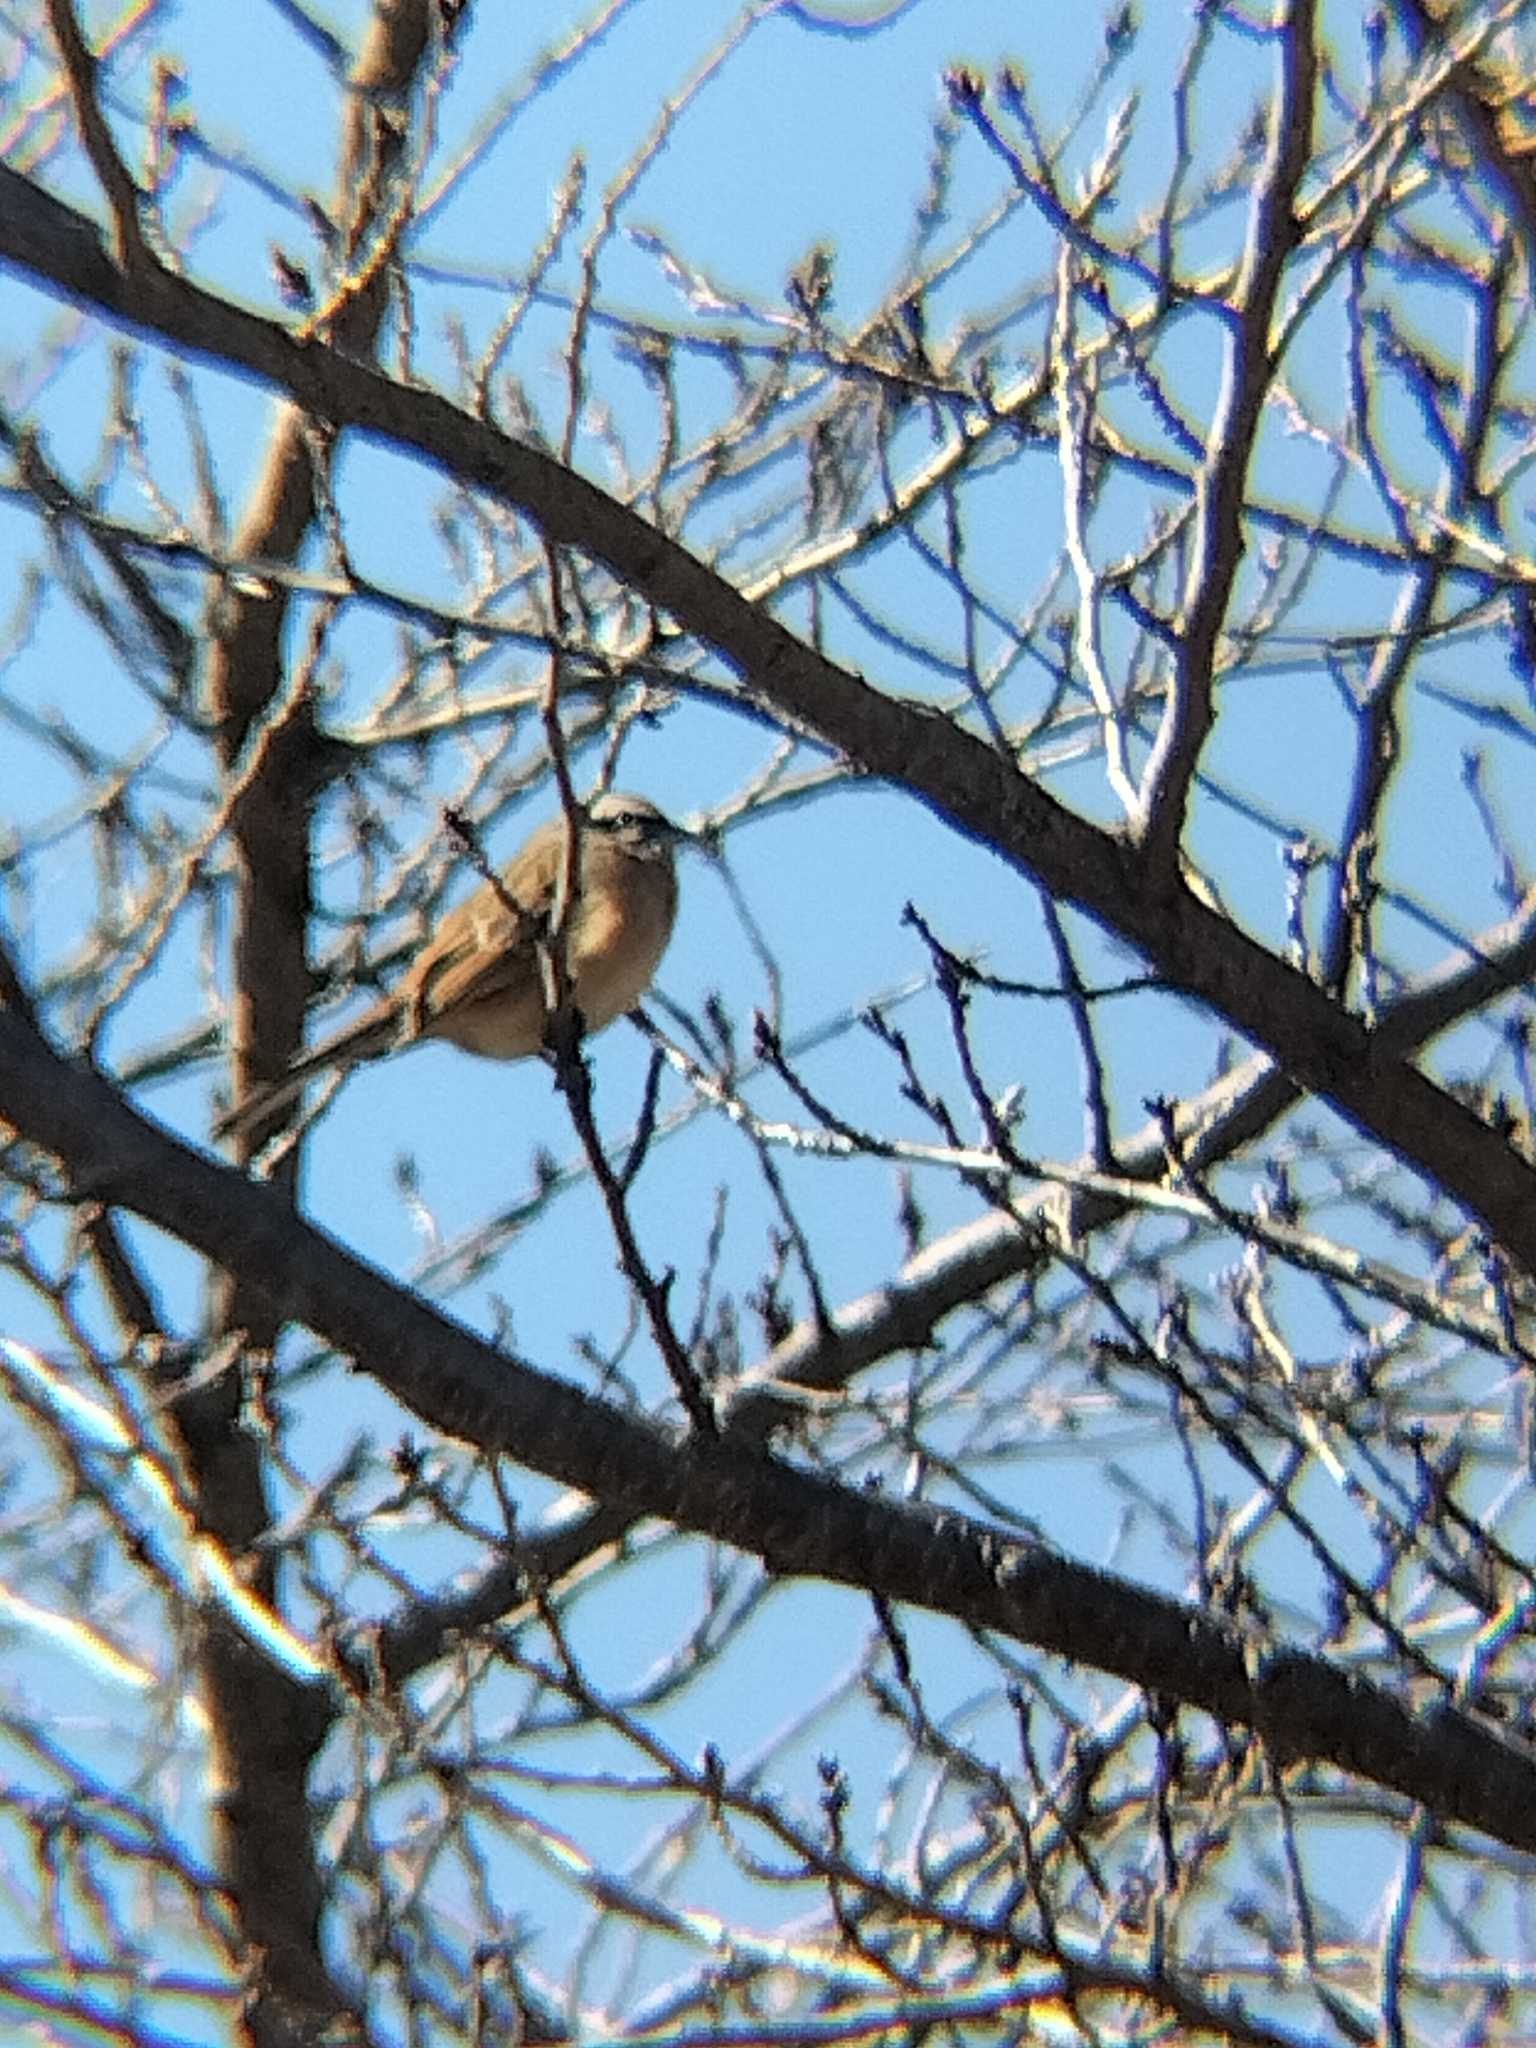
x=478 y=981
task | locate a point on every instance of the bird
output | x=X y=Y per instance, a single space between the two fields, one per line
x=478 y=980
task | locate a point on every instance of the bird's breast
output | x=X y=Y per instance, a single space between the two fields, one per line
x=617 y=940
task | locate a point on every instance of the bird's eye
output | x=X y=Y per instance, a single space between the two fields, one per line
x=639 y=824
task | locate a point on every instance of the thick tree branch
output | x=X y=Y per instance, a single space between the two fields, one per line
x=264 y=1726
x=796 y=1522
x=961 y=778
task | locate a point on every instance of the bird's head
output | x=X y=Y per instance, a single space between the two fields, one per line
x=634 y=823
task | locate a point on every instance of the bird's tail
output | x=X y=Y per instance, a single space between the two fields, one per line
x=376 y=1031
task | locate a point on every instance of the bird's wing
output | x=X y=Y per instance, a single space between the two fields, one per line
x=487 y=945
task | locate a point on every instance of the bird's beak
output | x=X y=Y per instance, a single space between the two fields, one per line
x=704 y=837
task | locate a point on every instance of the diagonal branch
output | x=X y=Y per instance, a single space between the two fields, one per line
x=797 y=1522
x=959 y=777
x=80 y=68
x=1221 y=485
